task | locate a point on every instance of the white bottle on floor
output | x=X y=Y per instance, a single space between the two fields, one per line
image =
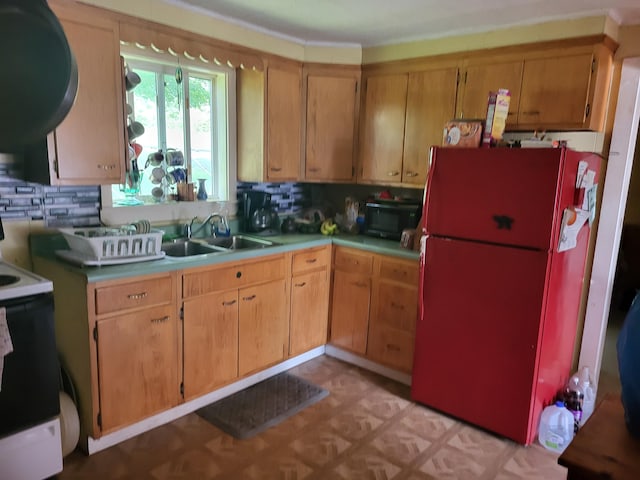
x=556 y=427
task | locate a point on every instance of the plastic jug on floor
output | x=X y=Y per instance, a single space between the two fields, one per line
x=556 y=427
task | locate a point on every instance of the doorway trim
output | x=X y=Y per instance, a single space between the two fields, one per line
x=614 y=199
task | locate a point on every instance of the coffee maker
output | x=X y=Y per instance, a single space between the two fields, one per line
x=258 y=215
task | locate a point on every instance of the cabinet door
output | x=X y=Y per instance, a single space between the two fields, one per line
x=350 y=310
x=210 y=335
x=392 y=324
x=555 y=91
x=263 y=326
x=479 y=80
x=431 y=101
x=309 y=311
x=383 y=128
x=284 y=118
x=331 y=107
x=89 y=143
x=137 y=365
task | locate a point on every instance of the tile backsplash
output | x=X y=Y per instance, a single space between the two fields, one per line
x=56 y=206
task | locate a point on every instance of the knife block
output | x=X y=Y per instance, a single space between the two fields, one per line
x=186 y=192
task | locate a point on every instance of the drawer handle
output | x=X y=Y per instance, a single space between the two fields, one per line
x=399 y=306
x=312 y=260
x=401 y=272
x=360 y=284
x=106 y=167
x=249 y=298
x=395 y=173
x=394 y=348
x=160 y=320
x=137 y=296
x=314 y=169
x=531 y=112
x=228 y=304
x=411 y=174
x=300 y=284
x=275 y=169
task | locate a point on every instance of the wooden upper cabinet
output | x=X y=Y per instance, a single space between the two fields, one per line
x=478 y=80
x=330 y=127
x=403 y=117
x=383 y=121
x=431 y=101
x=555 y=91
x=269 y=109
x=284 y=119
x=88 y=147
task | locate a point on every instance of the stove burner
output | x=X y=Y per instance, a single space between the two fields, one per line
x=8 y=280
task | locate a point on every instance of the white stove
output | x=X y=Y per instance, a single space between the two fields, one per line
x=17 y=282
x=29 y=420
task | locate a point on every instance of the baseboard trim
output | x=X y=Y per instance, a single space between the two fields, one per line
x=94 y=445
x=359 y=361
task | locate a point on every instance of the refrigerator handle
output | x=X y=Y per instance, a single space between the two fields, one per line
x=423 y=259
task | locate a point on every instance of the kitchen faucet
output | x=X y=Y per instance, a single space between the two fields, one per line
x=209 y=220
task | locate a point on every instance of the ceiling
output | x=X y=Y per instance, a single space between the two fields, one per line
x=380 y=22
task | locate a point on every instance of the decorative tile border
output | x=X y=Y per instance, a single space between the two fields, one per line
x=57 y=206
x=286 y=198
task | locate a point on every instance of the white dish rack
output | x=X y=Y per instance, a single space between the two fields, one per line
x=113 y=243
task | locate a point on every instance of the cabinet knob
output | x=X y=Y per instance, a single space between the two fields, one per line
x=238 y=274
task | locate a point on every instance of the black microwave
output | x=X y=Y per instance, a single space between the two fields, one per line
x=389 y=219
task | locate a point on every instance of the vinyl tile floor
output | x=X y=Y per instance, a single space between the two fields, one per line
x=367 y=428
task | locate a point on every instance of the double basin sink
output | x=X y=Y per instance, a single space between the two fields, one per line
x=203 y=246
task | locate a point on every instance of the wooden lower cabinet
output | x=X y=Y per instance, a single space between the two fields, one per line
x=210 y=336
x=263 y=326
x=374 y=314
x=309 y=299
x=138 y=365
x=350 y=310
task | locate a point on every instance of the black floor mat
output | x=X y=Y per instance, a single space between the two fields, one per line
x=263 y=405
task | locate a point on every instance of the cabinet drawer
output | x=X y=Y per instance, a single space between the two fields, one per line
x=391 y=347
x=406 y=272
x=397 y=306
x=310 y=259
x=232 y=276
x=353 y=261
x=141 y=293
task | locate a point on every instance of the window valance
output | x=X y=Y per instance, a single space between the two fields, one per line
x=199 y=48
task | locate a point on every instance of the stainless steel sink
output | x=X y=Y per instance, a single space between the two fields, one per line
x=238 y=242
x=204 y=246
x=187 y=248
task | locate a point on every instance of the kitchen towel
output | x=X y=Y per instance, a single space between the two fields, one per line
x=6 y=347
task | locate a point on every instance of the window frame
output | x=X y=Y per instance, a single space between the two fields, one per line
x=172 y=211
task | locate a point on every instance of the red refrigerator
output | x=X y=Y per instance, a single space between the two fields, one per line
x=500 y=291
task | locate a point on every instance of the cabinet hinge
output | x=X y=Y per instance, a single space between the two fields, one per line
x=353 y=171
x=587 y=110
x=593 y=65
x=99 y=419
x=182 y=389
x=95 y=333
x=182 y=312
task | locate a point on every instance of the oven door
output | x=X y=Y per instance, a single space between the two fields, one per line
x=31 y=374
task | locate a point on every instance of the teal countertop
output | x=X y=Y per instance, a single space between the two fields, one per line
x=45 y=246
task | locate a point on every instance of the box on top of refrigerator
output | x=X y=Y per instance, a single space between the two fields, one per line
x=497 y=112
